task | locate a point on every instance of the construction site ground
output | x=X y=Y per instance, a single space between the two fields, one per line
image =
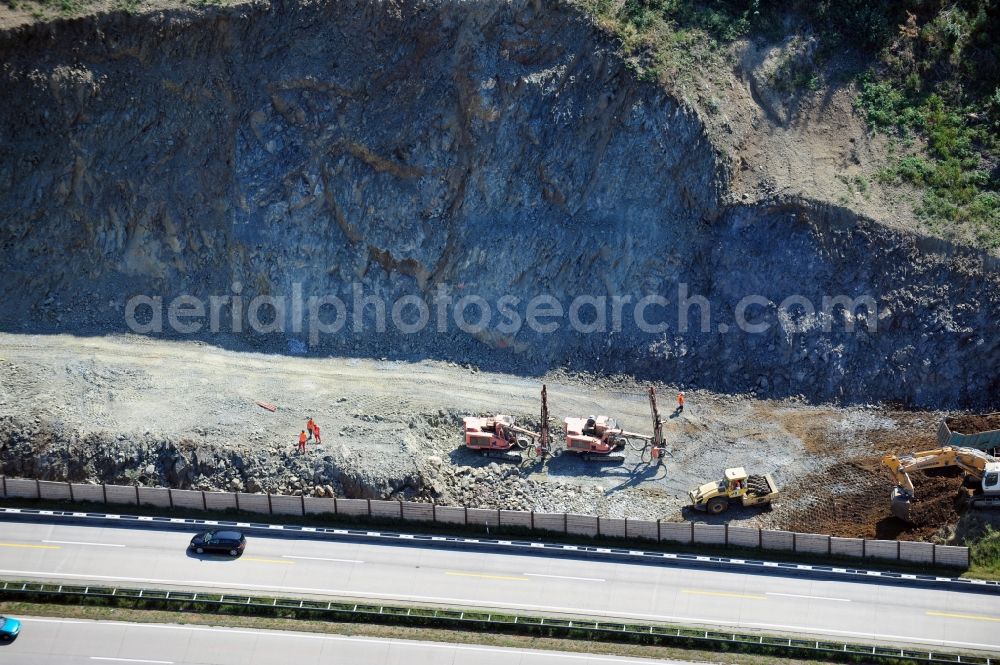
x=404 y=418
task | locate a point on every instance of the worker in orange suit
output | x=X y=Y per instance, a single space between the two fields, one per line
x=680 y=402
x=316 y=432
x=302 y=442
x=310 y=426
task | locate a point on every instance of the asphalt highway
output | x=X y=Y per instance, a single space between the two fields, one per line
x=46 y=641
x=832 y=609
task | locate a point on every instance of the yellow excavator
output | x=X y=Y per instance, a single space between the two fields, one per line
x=976 y=464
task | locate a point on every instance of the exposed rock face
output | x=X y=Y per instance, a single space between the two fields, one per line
x=929 y=341
x=488 y=148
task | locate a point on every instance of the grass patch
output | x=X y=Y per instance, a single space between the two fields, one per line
x=41 y=9
x=984 y=552
x=952 y=169
x=665 y=39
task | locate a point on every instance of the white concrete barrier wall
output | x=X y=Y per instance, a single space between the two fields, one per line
x=154 y=496
x=812 y=543
x=582 y=525
x=254 y=503
x=849 y=547
x=483 y=517
x=286 y=505
x=881 y=549
x=320 y=505
x=53 y=491
x=551 y=522
x=676 y=532
x=83 y=492
x=743 y=536
x=646 y=529
x=916 y=552
x=386 y=509
x=418 y=512
x=518 y=518
x=121 y=494
x=709 y=534
x=588 y=525
x=21 y=488
x=354 y=507
x=186 y=499
x=611 y=526
x=450 y=514
x=776 y=540
x=220 y=500
x=950 y=555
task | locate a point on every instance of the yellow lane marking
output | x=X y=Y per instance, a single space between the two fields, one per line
x=489 y=577
x=34 y=547
x=252 y=558
x=696 y=592
x=974 y=617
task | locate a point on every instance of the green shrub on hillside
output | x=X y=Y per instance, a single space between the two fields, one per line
x=985 y=554
x=932 y=74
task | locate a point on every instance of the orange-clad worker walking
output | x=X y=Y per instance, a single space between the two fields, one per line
x=302 y=442
x=310 y=426
x=316 y=433
x=680 y=401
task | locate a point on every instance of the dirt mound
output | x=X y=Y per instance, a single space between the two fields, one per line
x=858 y=503
x=936 y=500
x=972 y=423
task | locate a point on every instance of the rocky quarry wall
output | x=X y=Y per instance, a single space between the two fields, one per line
x=493 y=148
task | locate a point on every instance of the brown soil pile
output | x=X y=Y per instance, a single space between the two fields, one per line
x=973 y=423
x=858 y=505
x=936 y=500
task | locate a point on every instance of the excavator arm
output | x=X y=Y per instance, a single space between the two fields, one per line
x=972 y=461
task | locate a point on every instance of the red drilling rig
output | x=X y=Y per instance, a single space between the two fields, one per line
x=600 y=439
x=500 y=437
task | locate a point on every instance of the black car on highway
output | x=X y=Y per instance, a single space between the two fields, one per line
x=227 y=542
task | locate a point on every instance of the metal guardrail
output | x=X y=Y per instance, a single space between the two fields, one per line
x=505 y=622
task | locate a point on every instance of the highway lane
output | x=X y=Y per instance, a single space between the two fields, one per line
x=46 y=641
x=834 y=609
